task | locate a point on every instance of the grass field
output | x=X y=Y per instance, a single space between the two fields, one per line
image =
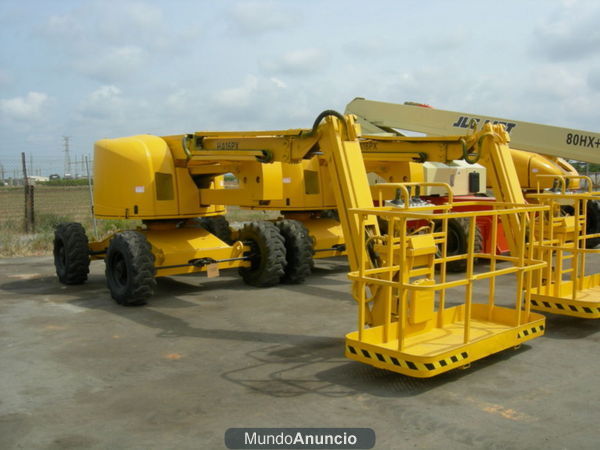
x=71 y=201
x=57 y=204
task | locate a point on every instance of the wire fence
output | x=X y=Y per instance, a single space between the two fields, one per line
x=54 y=198
x=42 y=198
x=72 y=202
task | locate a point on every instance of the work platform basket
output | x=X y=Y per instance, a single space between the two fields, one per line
x=564 y=233
x=407 y=322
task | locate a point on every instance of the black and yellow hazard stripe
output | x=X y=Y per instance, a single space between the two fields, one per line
x=558 y=307
x=528 y=332
x=396 y=362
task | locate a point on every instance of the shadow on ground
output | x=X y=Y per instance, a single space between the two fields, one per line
x=288 y=365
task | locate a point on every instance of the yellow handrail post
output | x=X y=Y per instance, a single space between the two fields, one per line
x=361 y=283
x=442 y=303
x=521 y=264
x=390 y=276
x=403 y=285
x=469 y=288
x=493 y=243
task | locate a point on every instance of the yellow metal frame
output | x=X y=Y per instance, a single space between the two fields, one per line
x=564 y=242
x=174 y=248
x=416 y=338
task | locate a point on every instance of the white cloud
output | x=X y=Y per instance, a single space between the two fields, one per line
x=446 y=41
x=113 y=41
x=5 y=77
x=104 y=102
x=257 y=17
x=300 y=62
x=113 y=64
x=279 y=83
x=571 y=34
x=178 y=100
x=238 y=96
x=555 y=81
x=258 y=103
x=28 y=107
x=594 y=79
x=65 y=26
x=372 y=46
x=109 y=24
x=265 y=65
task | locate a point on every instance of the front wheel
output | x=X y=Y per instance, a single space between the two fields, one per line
x=130 y=269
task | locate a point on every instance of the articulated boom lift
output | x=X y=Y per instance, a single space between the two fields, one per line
x=399 y=279
x=573 y=224
x=536 y=149
x=306 y=198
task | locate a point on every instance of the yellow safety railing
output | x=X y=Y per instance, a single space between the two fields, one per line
x=563 y=237
x=410 y=263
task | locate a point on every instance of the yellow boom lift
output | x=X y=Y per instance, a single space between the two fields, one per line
x=572 y=227
x=311 y=231
x=399 y=279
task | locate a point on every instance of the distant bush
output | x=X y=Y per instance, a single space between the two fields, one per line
x=63 y=182
x=49 y=221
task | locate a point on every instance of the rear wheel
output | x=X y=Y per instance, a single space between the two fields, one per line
x=267 y=254
x=218 y=226
x=592 y=220
x=71 y=254
x=457 y=242
x=130 y=269
x=593 y=223
x=299 y=251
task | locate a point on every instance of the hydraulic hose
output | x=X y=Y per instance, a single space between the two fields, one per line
x=320 y=117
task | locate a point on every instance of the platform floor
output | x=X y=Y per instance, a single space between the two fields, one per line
x=442 y=340
x=590 y=295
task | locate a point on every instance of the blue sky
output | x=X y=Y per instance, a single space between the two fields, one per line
x=93 y=69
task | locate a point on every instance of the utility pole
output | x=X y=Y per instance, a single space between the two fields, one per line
x=67 y=155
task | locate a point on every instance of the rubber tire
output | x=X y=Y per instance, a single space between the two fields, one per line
x=71 y=253
x=299 y=251
x=330 y=214
x=130 y=269
x=458 y=234
x=267 y=251
x=218 y=226
x=593 y=223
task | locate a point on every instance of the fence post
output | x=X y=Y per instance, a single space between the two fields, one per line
x=89 y=178
x=29 y=211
